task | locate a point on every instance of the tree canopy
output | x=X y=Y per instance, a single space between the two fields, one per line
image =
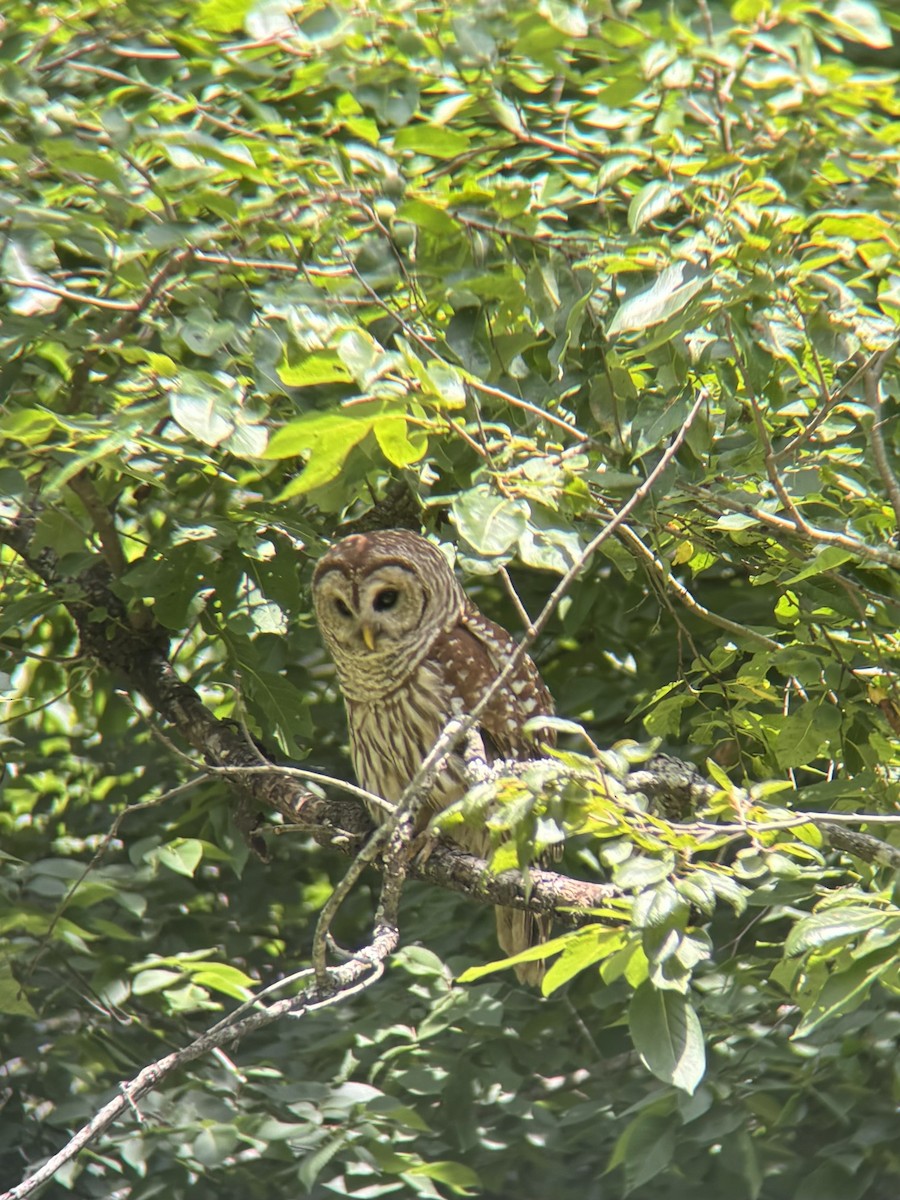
x=604 y=298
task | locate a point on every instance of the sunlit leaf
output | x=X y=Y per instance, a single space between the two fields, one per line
x=435 y=140
x=836 y=926
x=859 y=21
x=672 y=291
x=490 y=523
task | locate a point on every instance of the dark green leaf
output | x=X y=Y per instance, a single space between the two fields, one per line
x=667 y=1035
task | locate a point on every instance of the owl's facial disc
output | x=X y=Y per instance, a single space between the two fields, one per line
x=372 y=614
x=391 y=603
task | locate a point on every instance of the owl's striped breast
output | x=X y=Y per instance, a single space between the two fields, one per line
x=390 y=736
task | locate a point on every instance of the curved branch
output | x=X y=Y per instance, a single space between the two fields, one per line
x=341 y=982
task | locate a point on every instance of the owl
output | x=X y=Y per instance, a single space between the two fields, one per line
x=412 y=651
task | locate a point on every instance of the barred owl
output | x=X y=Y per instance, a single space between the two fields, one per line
x=412 y=651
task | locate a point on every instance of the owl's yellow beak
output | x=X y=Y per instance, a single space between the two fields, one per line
x=368 y=636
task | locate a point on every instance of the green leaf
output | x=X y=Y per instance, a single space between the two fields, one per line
x=568 y=18
x=206 y=417
x=27 y=301
x=222 y=977
x=312 y=370
x=549 y=543
x=728 y=889
x=428 y=216
x=359 y=352
x=490 y=523
x=858 y=21
x=314 y=1163
x=836 y=925
x=652 y=201
x=826 y=558
x=400 y=443
x=277 y=704
x=639 y=872
x=671 y=292
x=805 y=732
x=667 y=1035
x=183 y=855
x=448 y=384
x=644 y=1149
x=222 y=16
x=583 y=950
x=28 y=425
x=844 y=991
x=13 y=999
x=461 y=1180
x=327 y=438
x=434 y=140
x=331 y=433
x=532 y=954
x=154 y=980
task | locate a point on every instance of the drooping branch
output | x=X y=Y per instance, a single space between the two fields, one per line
x=341 y=982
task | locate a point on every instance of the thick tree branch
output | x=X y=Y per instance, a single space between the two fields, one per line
x=137 y=657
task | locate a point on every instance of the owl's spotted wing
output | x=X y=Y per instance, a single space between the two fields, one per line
x=471 y=655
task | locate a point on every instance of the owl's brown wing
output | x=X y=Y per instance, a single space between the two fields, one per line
x=472 y=654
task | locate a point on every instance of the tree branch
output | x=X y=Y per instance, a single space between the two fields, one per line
x=825 y=537
x=872 y=385
x=340 y=983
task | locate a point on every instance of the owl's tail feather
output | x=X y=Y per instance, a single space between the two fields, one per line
x=516 y=931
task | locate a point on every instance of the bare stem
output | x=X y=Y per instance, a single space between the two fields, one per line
x=875 y=400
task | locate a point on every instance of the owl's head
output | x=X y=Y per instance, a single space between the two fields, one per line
x=380 y=599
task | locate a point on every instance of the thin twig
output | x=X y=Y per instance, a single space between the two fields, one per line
x=187 y=102
x=826 y=537
x=102 y=519
x=525 y=405
x=872 y=384
x=514 y=596
x=38 y=286
x=763 y=434
x=664 y=571
x=342 y=982
x=343 y=785
x=829 y=400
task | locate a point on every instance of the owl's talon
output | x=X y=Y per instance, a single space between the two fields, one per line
x=422 y=846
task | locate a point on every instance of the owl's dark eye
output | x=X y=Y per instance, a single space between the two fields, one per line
x=385 y=599
x=342 y=607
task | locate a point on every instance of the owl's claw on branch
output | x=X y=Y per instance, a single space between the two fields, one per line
x=478 y=769
x=422 y=847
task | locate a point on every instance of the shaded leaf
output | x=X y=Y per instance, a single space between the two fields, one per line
x=667 y=1035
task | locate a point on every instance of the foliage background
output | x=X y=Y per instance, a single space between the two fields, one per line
x=260 y=266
